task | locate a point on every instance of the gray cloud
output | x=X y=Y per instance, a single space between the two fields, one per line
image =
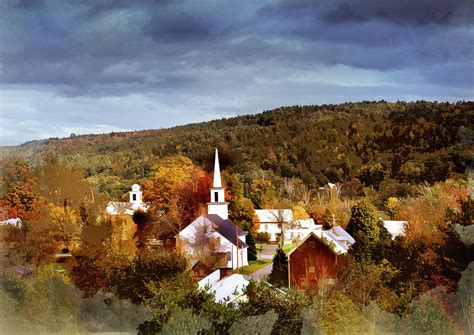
x=178 y=61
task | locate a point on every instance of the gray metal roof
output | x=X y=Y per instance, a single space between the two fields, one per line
x=227 y=229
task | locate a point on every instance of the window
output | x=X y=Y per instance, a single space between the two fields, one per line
x=265 y=227
x=216 y=196
x=311 y=269
x=134 y=197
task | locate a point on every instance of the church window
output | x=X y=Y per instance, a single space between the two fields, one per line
x=215 y=196
x=134 y=197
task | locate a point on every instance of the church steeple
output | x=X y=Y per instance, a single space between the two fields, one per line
x=218 y=205
x=217 y=172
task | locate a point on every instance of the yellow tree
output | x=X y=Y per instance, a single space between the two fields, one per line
x=177 y=191
x=299 y=212
x=392 y=207
x=66 y=221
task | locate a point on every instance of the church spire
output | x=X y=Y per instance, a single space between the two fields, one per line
x=217 y=205
x=217 y=172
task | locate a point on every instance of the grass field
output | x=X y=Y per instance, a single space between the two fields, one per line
x=254 y=266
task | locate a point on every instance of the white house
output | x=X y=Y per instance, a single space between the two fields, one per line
x=299 y=229
x=395 y=228
x=270 y=221
x=215 y=230
x=128 y=208
x=16 y=222
x=228 y=290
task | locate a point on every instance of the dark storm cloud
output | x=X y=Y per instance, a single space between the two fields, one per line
x=176 y=27
x=343 y=13
x=420 y=12
x=179 y=61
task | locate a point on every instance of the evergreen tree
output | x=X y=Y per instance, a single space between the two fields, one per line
x=364 y=227
x=279 y=274
x=363 y=220
x=252 y=250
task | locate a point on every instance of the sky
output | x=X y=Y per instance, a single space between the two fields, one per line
x=101 y=66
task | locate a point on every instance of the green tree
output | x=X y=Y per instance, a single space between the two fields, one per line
x=51 y=304
x=373 y=175
x=264 y=323
x=279 y=274
x=364 y=227
x=340 y=316
x=178 y=306
x=106 y=313
x=263 y=298
x=252 y=250
x=262 y=192
x=134 y=281
x=428 y=317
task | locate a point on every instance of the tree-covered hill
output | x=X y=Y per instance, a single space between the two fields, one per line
x=356 y=143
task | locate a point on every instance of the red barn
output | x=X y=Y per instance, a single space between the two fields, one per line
x=318 y=258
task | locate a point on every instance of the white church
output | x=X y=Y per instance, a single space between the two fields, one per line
x=216 y=228
x=128 y=208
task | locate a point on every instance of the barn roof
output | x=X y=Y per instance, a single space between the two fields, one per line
x=336 y=238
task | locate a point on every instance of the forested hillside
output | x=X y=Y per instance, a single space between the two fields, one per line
x=403 y=161
x=379 y=144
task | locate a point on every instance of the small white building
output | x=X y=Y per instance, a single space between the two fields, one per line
x=228 y=290
x=16 y=222
x=215 y=232
x=299 y=229
x=128 y=208
x=270 y=221
x=395 y=228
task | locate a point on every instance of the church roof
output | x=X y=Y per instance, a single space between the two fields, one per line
x=227 y=229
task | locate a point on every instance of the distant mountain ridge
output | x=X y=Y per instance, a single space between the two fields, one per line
x=410 y=142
